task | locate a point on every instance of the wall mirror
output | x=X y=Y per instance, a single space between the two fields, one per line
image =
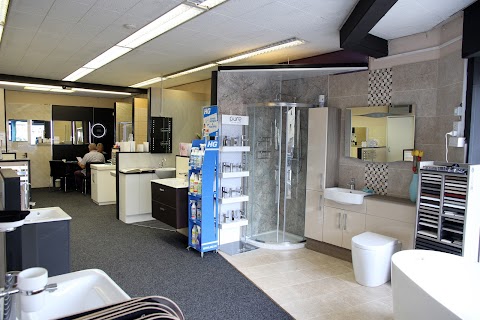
x=123 y=120
x=40 y=132
x=380 y=134
x=17 y=130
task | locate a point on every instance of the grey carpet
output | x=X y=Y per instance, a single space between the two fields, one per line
x=147 y=261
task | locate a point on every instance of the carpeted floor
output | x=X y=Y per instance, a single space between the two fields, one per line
x=147 y=261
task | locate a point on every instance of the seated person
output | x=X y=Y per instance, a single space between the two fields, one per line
x=101 y=148
x=92 y=156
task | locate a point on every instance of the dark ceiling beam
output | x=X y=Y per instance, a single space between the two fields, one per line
x=69 y=84
x=354 y=32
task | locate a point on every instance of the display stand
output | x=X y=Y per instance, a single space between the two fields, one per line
x=202 y=198
x=447 y=209
x=233 y=185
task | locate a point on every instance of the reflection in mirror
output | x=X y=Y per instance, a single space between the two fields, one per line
x=123 y=120
x=17 y=130
x=62 y=132
x=79 y=132
x=39 y=131
x=379 y=134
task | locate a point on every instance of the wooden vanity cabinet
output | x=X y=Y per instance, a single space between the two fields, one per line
x=169 y=205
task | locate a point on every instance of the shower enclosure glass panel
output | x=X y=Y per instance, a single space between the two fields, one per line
x=277 y=168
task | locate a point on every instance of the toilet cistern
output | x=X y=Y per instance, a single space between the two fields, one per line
x=351 y=184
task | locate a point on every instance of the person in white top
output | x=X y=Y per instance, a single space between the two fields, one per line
x=91 y=156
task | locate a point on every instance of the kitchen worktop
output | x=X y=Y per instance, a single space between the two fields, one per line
x=172 y=182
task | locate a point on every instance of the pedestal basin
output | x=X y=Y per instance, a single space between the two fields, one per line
x=163 y=173
x=78 y=292
x=345 y=196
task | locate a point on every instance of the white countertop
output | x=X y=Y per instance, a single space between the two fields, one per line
x=50 y=214
x=172 y=182
x=102 y=167
x=137 y=170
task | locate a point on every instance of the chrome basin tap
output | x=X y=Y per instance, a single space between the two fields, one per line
x=162 y=163
x=351 y=184
x=9 y=294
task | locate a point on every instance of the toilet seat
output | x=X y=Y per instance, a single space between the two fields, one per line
x=373 y=241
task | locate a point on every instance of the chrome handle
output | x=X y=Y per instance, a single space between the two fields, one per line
x=339 y=220
x=161 y=189
x=344 y=221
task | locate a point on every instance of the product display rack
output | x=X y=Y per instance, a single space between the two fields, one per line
x=447 y=208
x=203 y=217
x=233 y=184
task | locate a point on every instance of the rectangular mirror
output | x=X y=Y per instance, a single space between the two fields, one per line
x=379 y=134
x=39 y=131
x=123 y=120
x=62 y=132
x=17 y=130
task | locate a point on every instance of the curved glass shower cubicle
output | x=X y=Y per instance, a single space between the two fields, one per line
x=278 y=166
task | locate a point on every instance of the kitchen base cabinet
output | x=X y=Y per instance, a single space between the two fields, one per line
x=103 y=184
x=340 y=226
x=169 y=204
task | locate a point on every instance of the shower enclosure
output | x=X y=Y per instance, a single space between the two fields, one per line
x=278 y=166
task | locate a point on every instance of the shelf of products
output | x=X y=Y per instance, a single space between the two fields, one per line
x=443 y=208
x=233 y=184
x=202 y=196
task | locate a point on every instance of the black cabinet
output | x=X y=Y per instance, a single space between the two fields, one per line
x=161 y=135
x=44 y=245
x=169 y=205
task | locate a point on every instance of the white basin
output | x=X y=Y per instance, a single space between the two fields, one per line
x=345 y=196
x=163 y=173
x=49 y=214
x=78 y=292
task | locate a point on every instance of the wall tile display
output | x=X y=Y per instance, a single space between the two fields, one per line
x=376 y=177
x=380 y=87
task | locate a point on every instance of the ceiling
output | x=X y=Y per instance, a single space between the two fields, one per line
x=52 y=38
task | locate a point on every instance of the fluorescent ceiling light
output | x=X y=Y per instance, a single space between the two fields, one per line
x=77 y=74
x=3 y=15
x=210 y=3
x=37 y=88
x=147 y=82
x=109 y=55
x=102 y=91
x=191 y=70
x=271 y=47
x=168 y=21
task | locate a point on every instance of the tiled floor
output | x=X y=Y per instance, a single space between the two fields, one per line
x=311 y=285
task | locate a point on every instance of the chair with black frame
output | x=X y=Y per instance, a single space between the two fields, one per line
x=86 y=181
x=58 y=170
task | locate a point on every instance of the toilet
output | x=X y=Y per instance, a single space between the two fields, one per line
x=371 y=258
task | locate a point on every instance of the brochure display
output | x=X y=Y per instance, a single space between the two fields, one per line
x=202 y=196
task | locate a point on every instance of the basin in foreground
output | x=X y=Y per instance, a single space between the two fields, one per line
x=79 y=292
x=163 y=173
x=345 y=196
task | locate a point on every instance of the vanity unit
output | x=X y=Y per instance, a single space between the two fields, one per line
x=103 y=184
x=135 y=200
x=389 y=216
x=169 y=201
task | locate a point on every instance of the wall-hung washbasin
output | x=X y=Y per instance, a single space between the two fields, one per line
x=78 y=292
x=163 y=173
x=345 y=196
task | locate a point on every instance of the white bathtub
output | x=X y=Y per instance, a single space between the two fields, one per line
x=434 y=285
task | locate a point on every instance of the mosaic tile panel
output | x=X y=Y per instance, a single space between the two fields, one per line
x=380 y=87
x=376 y=177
